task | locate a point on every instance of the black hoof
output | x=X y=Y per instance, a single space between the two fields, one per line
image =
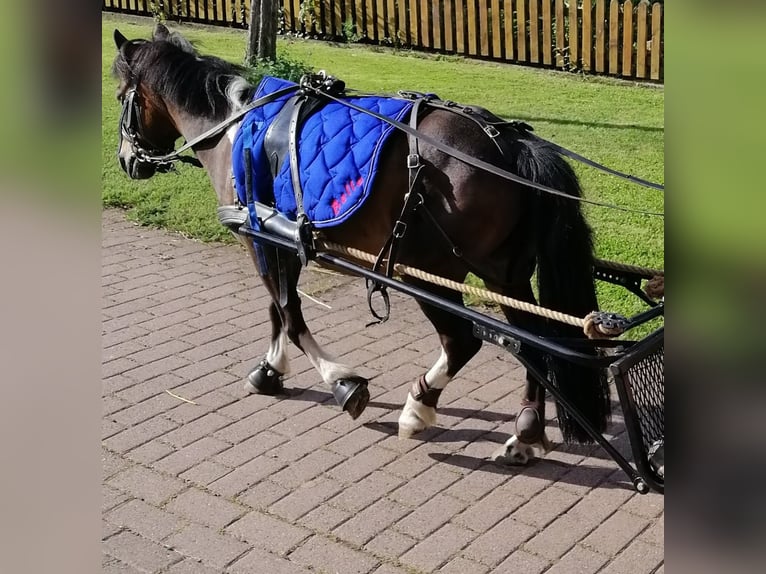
x=352 y=395
x=264 y=380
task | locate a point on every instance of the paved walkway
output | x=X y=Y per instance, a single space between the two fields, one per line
x=200 y=477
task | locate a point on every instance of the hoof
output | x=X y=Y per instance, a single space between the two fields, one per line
x=264 y=380
x=352 y=395
x=518 y=453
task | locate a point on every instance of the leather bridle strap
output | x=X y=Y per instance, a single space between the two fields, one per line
x=217 y=129
x=475 y=162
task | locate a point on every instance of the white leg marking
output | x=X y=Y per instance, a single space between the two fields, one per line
x=515 y=452
x=437 y=377
x=277 y=355
x=415 y=417
x=328 y=368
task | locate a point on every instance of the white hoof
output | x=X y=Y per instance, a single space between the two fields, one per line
x=517 y=453
x=415 y=417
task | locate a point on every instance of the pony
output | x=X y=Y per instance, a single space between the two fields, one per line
x=471 y=220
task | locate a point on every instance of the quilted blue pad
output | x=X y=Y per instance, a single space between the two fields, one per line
x=338 y=152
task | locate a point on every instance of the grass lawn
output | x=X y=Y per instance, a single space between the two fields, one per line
x=615 y=123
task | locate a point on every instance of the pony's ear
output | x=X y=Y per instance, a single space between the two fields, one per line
x=161 y=32
x=119 y=39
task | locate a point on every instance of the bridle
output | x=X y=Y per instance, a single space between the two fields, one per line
x=132 y=129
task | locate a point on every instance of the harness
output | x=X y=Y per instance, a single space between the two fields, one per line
x=281 y=139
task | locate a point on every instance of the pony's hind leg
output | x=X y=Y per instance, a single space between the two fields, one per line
x=530 y=438
x=349 y=389
x=458 y=346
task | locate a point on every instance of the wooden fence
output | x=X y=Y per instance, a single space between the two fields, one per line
x=623 y=38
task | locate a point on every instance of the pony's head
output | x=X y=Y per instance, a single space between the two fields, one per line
x=162 y=82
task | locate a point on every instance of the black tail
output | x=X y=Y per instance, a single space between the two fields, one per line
x=565 y=279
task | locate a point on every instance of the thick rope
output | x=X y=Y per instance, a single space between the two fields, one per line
x=644 y=271
x=590 y=328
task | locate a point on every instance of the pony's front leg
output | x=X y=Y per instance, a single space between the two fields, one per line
x=266 y=377
x=287 y=321
x=458 y=346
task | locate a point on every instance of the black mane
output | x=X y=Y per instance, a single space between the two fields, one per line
x=179 y=75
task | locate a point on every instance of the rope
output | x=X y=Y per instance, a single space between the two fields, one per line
x=589 y=326
x=645 y=271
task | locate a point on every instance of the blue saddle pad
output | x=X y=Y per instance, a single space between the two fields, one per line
x=338 y=152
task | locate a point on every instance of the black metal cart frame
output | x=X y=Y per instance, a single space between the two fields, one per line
x=636 y=367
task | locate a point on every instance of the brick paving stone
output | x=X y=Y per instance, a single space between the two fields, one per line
x=146 y=484
x=144 y=410
x=207 y=545
x=111 y=463
x=111 y=497
x=446 y=542
x=249 y=426
x=205 y=472
x=430 y=516
x=140 y=553
x=262 y=495
x=522 y=561
x=112 y=566
x=303 y=444
x=615 y=533
x=370 y=521
x=598 y=505
x=205 y=508
x=186 y=434
x=485 y=513
x=268 y=533
x=477 y=483
x=191 y=566
x=307 y=468
x=389 y=569
x=545 y=507
x=390 y=544
x=655 y=533
x=579 y=560
x=365 y=492
x=638 y=558
x=245 y=476
x=494 y=545
x=361 y=465
x=257 y=561
x=424 y=486
x=324 y=518
x=144 y=519
x=305 y=498
x=460 y=565
x=150 y=452
x=247 y=450
x=557 y=538
x=186 y=457
x=326 y=555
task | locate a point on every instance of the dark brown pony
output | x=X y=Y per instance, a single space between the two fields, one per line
x=504 y=232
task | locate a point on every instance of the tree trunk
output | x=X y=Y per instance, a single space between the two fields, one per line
x=262 y=31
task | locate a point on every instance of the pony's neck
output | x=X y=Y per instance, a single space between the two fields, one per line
x=214 y=154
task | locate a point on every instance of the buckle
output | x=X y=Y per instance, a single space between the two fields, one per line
x=413 y=161
x=491 y=131
x=400 y=228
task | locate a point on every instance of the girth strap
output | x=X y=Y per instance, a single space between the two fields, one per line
x=412 y=200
